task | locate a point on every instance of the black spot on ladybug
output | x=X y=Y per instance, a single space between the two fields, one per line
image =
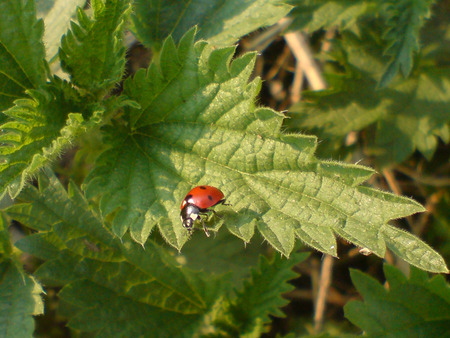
x=210 y=197
x=202 y=187
x=188 y=197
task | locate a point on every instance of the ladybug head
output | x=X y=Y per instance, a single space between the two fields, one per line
x=188 y=223
x=188 y=215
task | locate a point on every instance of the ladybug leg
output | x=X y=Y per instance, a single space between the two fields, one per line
x=215 y=213
x=223 y=202
x=210 y=210
x=205 y=229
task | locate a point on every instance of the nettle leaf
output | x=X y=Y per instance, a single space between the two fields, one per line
x=116 y=286
x=413 y=250
x=20 y=295
x=39 y=129
x=405 y=18
x=22 y=52
x=417 y=306
x=227 y=252
x=410 y=114
x=146 y=292
x=5 y=241
x=93 y=52
x=219 y=22
x=20 y=299
x=317 y=14
x=51 y=209
x=260 y=297
x=198 y=125
x=112 y=314
x=422 y=117
x=351 y=104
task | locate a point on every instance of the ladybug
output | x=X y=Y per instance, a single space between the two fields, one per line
x=197 y=202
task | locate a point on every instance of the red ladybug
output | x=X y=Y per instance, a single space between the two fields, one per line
x=197 y=202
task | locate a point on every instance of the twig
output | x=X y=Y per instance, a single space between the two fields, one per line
x=301 y=50
x=430 y=205
x=315 y=279
x=428 y=180
x=333 y=296
x=264 y=39
x=392 y=182
x=329 y=35
x=325 y=281
x=281 y=59
x=296 y=90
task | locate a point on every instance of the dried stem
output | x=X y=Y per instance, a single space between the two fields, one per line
x=393 y=185
x=302 y=52
x=324 y=284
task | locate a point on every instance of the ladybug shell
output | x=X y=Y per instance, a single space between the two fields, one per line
x=203 y=196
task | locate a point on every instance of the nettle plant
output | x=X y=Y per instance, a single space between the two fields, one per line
x=189 y=119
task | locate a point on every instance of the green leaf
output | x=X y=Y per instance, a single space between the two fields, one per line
x=68 y=216
x=20 y=295
x=93 y=52
x=112 y=315
x=219 y=22
x=421 y=114
x=405 y=19
x=5 y=242
x=44 y=245
x=98 y=271
x=137 y=294
x=313 y=15
x=22 y=52
x=408 y=114
x=410 y=308
x=260 y=297
x=350 y=105
x=39 y=129
x=20 y=299
x=56 y=15
x=413 y=250
x=227 y=252
x=198 y=125
x=441 y=225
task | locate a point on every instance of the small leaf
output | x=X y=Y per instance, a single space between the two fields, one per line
x=405 y=18
x=413 y=250
x=420 y=115
x=154 y=21
x=39 y=129
x=393 y=313
x=93 y=52
x=22 y=52
x=260 y=297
